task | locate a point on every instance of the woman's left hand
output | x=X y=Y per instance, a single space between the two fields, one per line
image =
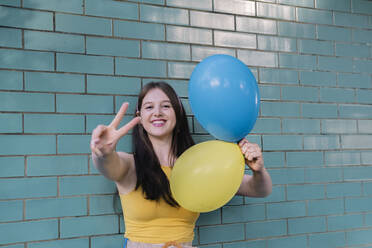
x=252 y=154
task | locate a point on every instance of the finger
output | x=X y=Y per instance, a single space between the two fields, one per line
x=97 y=152
x=119 y=116
x=243 y=141
x=125 y=129
x=97 y=132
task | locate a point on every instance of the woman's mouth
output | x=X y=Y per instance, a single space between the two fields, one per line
x=158 y=123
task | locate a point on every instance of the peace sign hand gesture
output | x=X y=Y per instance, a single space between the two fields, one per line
x=105 y=138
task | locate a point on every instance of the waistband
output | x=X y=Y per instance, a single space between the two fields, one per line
x=172 y=244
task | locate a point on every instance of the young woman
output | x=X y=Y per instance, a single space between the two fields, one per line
x=160 y=135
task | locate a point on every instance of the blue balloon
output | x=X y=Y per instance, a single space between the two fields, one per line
x=224 y=97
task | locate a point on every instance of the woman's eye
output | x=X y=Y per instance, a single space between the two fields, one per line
x=148 y=107
x=166 y=106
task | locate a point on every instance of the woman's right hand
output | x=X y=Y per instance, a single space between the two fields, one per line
x=105 y=138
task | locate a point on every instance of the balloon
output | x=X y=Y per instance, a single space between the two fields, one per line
x=224 y=97
x=207 y=175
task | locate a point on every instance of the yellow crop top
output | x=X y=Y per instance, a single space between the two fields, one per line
x=156 y=222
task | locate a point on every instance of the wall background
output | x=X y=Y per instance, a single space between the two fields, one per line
x=66 y=66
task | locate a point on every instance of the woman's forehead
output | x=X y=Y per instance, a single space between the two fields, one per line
x=155 y=95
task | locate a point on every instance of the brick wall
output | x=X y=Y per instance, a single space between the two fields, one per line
x=66 y=66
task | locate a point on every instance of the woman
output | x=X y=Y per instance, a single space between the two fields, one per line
x=160 y=135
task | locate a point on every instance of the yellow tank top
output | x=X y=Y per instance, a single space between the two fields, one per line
x=156 y=222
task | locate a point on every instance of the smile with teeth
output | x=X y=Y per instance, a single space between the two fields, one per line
x=158 y=123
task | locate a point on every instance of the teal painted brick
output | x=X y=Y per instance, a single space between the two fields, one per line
x=104 y=204
x=233 y=39
x=113 y=85
x=107 y=241
x=278 y=76
x=257 y=58
x=304 y=3
x=296 y=30
x=335 y=64
x=332 y=239
x=138 y=30
x=342 y=158
x=244 y=244
x=139 y=67
x=62 y=243
x=325 y=207
x=180 y=86
x=305 y=192
x=323 y=175
x=269 y=92
x=91 y=225
x=351 y=50
x=334 y=33
x=113 y=47
x=235 y=7
x=342 y=222
x=351 y=20
x=110 y=8
x=25 y=144
x=192 y=4
x=362 y=66
x=132 y=100
x=337 y=95
x=276 y=43
x=11 y=211
x=320 y=142
x=304 y=159
x=14 y=246
x=73 y=144
x=355 y=111
x=94 y=120
x=20 y=18
x=55 y=5
x=209 y=218
x=27 y=102
x=364 y=126
x=236 y=200
x=314 y=16
x=198 y=53
x=367 y=188
x=28 y=187
x=318 y=78
x=319 y=110
x=10 y=123
x=307 y=225
x=336 y=190
x=10 y=37
x=180 y=70
x=277 y=195
x=286 y=210
x=295 y=93
x=275 y=11
x=15 y=3
x=356 y=141
x=340 y=5
x=364 y=96
x=368 y=219
x=339 y=126
x=85 y=185
x=57 y=165
x=301 y=126
x=84 y=104
x=267 y=125
x=164 y=15
x=28 y=231
x=157 y=2
x=288 y=242
x=11 y=80
x=189 y=35
x=56 y=207
x=245 y=213
x=84 y=63
x=57 y=82
x=83 y=24
x=26 y=60
x=211 y=20
x=282 y=142
x=359 y=237
x=366 y=157
x=287 y=176
x=354 y=80
x=255 y=25
x=156 y=50
x=265 y=229
x=316 y=47
x=12 y=166
x=357 y=173
x=41 y=123
x=361 y=6
x=282 y=109
x=363 y=36
x=307 y=62
x=223 y=233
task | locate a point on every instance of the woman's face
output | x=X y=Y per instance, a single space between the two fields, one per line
x=157 y=114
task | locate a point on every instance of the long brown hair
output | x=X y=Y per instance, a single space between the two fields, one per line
x=150 y=176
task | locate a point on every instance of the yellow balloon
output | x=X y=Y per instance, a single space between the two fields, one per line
x=207 y=175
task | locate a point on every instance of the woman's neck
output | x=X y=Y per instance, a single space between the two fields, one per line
x=162 y=148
